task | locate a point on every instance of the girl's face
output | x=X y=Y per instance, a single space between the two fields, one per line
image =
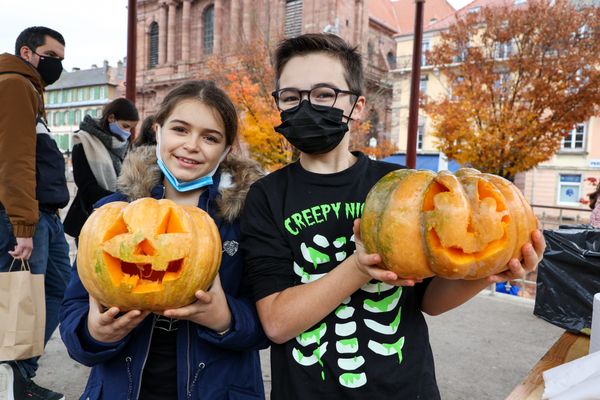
x=192 y=140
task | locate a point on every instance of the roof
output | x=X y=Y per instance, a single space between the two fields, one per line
x=452 y=18
x=400 y=14
x=90 y=77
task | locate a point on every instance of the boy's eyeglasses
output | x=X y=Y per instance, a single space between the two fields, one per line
x=323 y=96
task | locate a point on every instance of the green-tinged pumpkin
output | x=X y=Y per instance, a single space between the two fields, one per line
x=462 y=226
x=148 y=255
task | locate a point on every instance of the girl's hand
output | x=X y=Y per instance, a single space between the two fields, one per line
x=210 y=309
x=106 y=327
x=532 y=255
x=368 y=264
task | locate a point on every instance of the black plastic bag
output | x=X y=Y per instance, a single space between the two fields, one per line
x=568 y=277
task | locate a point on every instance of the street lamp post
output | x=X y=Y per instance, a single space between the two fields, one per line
x=413 y=108
x=131 y=50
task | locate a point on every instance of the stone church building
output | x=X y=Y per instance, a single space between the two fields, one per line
x=177 y=37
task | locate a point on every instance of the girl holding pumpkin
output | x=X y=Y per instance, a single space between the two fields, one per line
x=207 y=349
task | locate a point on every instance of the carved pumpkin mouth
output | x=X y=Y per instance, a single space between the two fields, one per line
x=137 y=261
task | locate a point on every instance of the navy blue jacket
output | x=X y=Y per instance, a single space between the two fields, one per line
x=209 y=366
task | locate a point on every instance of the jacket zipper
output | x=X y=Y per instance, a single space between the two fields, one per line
x=201 y=366
x=143 y=364
x=129 y=377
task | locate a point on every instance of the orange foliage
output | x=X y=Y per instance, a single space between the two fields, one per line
x=361 y=132
x=519 y=77
x=247 y=77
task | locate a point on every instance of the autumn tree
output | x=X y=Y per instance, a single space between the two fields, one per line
x=519 y=77
x=248 y=78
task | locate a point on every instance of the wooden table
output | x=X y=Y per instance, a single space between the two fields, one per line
x=567 y=348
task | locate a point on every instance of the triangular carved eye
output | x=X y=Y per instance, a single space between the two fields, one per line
x=116 y=228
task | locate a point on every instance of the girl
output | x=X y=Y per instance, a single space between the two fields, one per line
x=99 y=150
x=207 y=349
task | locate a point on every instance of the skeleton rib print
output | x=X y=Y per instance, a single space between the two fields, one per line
x=381 y=299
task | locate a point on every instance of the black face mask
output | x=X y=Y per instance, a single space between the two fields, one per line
x=313 y=129
x=50 y=69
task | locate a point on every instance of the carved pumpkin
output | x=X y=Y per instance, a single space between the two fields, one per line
x=148 y=254
x=462 y=226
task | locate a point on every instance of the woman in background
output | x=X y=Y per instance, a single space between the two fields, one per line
x=98 y=153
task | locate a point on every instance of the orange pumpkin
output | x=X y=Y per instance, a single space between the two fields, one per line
x=462 y=226
x=148 y=255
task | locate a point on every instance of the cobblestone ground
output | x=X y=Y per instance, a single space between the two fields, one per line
x=482 y=351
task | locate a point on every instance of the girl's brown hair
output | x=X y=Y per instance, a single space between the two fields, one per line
x=208 y=93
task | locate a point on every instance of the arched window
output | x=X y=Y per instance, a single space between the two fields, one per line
x=77 y=117
x=391 y=59
x=209 y=29
x=56 y=118
x=153 y=56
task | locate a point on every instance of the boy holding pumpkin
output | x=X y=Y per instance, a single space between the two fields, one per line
x=341 y=326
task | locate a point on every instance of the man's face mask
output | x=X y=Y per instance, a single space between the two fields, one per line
x=313 y=129
x=49 y=68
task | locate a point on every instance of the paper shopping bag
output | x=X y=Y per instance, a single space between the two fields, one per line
x=22 y=314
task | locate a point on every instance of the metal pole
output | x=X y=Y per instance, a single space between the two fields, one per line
x=131 y=50
x=413 y=108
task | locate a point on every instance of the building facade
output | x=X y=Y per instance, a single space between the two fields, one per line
x=78 y=93
x=176 y=38
x=560 y=182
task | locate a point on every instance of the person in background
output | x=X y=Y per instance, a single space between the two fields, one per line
x=33 y=187
x=595 y=206
x=98 y=153
x=205 y=350
x=146 y=135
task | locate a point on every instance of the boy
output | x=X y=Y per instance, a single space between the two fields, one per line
x=336 y=333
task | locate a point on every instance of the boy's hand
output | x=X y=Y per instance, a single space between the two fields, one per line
x=210 y=309
x=368 y=264
x=532 y=255
x=105 y=328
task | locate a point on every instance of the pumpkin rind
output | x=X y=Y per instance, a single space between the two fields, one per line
x=462 y=226
x=148 y=255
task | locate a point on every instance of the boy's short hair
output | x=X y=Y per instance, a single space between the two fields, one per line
x=35 y=37
x=327 y=43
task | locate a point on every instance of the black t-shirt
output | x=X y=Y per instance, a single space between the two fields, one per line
x=159 y=379
x=298 y=226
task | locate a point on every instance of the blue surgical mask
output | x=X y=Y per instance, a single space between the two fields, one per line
x=118 y=131
x=201 y=182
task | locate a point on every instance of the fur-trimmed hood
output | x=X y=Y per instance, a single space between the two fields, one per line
x=140 y=174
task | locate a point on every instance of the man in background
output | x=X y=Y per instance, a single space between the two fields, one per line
x=33 y=188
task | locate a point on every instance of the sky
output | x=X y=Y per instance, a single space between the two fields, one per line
x=94 y=30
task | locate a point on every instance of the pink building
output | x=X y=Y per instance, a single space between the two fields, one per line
x=176 y=38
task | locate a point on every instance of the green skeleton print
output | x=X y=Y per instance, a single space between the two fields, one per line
x=347 y=347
